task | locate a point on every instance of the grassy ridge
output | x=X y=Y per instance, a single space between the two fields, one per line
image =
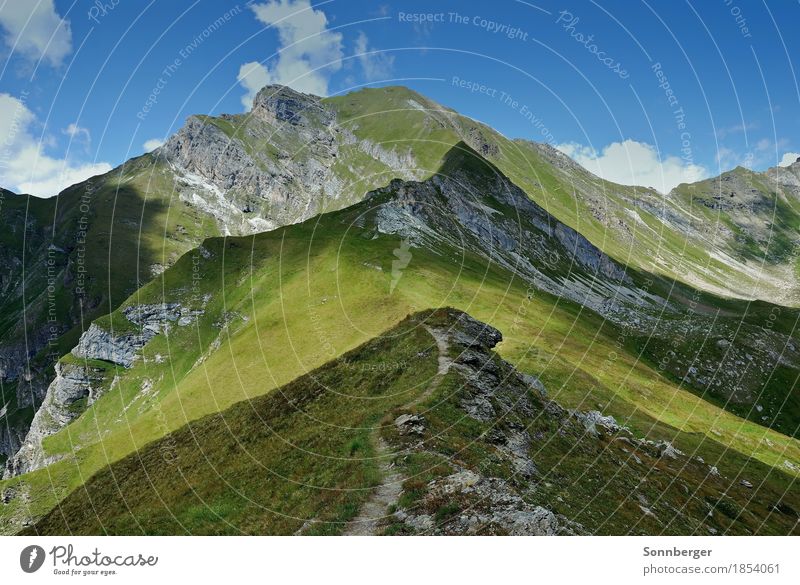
x=303 y=458
x=281 y=304
x=264 y=465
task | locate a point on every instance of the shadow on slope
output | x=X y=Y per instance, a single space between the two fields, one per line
x=477 y=448
x=74 y=258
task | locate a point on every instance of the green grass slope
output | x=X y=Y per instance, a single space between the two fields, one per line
x=277 y=305
x=309 y=457
x=76 y=257
x=101 y=239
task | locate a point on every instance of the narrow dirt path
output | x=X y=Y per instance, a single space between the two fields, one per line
x=387 y=493
x=445 y=362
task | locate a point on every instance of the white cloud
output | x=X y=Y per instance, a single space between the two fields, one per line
x=789 y=158
x=736 y=129
x=152 y=144
x=763 y=145
x=48 y=176
x=376 y=65
x=78 y=133
x=308 y=55
x=24 y=166
x=761 y=155
x=252 y=76
x=14 y=119
x=34 y=29
x=635 y=163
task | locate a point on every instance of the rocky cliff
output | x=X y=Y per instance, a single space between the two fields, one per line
x=470 y=205
x=74 y=386
x=257 y=171
x=78 y=384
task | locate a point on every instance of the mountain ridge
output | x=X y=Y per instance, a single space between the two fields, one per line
x=380 y=135
x=474 y=240
x=518 y=466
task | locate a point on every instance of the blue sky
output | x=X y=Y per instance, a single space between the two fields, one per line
x=649 y=93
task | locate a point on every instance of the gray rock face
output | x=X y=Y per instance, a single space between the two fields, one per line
x=273 y=166
x=122 y=349
x=98 y=344
x=250 y=187
x=410 y=424
x=11 y=436
x=588 y=254
x=500 y=510
x=663 y=449
x=31 y=385
x=72 y=384
x=158 y=317
x=153 y=316
x=594 y=422
x=404 y=163
x=278 y=103
x=487 y=214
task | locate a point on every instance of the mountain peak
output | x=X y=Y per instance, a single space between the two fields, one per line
x=284 y=104
x=463 y=158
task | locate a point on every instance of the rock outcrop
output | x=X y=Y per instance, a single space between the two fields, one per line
x=496 y=395
x=471 y=204
x=121 y=349
x=78 y=385
x=494 y=507
x=73 y=383
x=526 y=455
x=258 y=171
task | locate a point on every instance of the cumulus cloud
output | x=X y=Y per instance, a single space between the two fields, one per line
x=24 y=166
x=788 y=158
x=78 y=133
x=252 y=76
x=308 y=54
x=152 y=144
x=761 y=154
x=635 y=163
x=376 y=65
x=34 y=29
